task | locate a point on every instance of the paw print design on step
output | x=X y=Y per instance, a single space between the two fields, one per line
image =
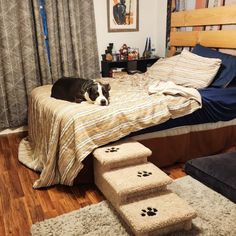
x=112 y=149
x=149 y=211
x=143 y=173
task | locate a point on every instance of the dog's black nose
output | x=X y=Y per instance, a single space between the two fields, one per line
x=103 y=102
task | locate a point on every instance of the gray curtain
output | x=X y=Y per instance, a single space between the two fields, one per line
x=20 y=64
x=23 y=57
x=72 y=38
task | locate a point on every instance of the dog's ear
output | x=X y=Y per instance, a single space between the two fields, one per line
x=87 y=87
x=107 y=87
x=89 y=90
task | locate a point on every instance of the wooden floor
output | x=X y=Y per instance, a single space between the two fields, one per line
x=21 y=205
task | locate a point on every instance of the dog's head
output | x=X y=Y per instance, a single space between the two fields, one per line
x=98 y=94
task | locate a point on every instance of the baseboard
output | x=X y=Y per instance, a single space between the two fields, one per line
x=16 y=130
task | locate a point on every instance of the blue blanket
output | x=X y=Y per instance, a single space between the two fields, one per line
x=218 y=104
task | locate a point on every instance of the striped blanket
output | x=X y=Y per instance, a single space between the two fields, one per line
x=62 y=134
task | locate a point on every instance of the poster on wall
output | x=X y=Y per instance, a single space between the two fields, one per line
x=122 y=15
x=229 y=27
x=214 y=3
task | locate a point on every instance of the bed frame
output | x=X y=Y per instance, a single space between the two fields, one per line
x=169 y=149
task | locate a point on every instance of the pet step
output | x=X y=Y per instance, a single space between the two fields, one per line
x=122 y=153
x=162 y=214
x=125 y=184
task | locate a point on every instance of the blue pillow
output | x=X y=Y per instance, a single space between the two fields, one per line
x=227 y=71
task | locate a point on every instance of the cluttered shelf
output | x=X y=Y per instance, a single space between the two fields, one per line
x=127 y=59
x=140 y=64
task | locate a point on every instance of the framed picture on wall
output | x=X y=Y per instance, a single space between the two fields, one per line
x=123 y=15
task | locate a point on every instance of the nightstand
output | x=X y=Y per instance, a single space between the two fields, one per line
x=140 y=64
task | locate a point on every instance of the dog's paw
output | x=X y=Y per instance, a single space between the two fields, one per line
x=144 y=173
x=112 y=149
x=79 y=100
x=149 y=211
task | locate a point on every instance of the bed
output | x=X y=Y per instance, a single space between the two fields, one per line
x=185 y=139
x=182 y=129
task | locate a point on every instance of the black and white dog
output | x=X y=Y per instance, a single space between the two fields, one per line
x=78 y=90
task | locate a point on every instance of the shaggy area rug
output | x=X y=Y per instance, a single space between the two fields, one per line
x=216 y=215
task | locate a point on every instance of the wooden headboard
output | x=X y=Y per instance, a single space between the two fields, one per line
x=225 y=15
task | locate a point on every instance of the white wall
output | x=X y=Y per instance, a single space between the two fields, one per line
x=152 y=23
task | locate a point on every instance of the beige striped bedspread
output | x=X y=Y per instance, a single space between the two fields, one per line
x=62 y=134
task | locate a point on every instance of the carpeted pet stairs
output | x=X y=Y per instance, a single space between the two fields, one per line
x=137 y=190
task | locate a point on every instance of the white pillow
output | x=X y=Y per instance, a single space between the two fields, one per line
x=186 y=69
x=194 y=71
x=162 y=69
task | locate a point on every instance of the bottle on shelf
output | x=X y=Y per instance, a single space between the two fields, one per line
x=149 y=50
x=145 y=49
x=108 y=53
x=153 y=54
x=114 y=54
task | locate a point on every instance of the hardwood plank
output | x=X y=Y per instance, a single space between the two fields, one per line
x=31 y=197
x=217 y=39
x=2 y=229
x=22 y=215
x=36 y=213
x=13 y=184
x=93 y=196
x=80 y=195
x=50 y=214
x=1 y=206
x=206 y=16
x=67 y=206
x=5 y=160
x=175 y=171
x=45 y=200
x=5 y=197
x=4 y=144
x=10 y=226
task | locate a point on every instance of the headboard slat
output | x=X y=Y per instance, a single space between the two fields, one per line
x=224 y=15
x=217 y=39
